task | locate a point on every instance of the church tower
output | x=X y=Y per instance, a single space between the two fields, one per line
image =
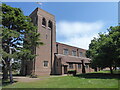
x=43 y=64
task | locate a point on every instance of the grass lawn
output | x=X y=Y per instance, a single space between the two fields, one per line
x=90 y=80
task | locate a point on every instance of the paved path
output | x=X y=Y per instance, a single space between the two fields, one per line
x=28 y=79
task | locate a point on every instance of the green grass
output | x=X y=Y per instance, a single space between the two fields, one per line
x=68 y=82
x=108 y=71
x=90 y=80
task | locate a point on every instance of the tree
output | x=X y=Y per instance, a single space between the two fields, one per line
x=16 y=65
x=19 y=38
x=114 y=33
x=105 y=50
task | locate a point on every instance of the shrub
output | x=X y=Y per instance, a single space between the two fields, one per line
x=72 y=72
x=33 y=76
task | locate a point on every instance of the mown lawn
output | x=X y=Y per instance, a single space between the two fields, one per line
x=90 y=80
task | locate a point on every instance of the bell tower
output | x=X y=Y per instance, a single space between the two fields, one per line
x=43 y=64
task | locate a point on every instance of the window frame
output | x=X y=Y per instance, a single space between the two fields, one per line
x=44 y=22
x=80 y=54
x=74 y=53
x=79 y=67
x=70 y=66
x=87 y=66
x=65 y=50
x=45 y=63
x=46 y=36
x=50 y=25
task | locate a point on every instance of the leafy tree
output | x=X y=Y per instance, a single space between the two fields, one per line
x=105 y=50
x=16 y=65
x=114 y=33
x=19 y=38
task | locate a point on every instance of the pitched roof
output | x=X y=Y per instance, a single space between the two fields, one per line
x=71 y=59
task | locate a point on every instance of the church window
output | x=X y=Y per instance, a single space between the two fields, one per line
x=43 y=22
x=50 y=25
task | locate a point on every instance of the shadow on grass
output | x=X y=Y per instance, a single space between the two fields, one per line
x=99 y=76
x=6 y=83
x=18 y=75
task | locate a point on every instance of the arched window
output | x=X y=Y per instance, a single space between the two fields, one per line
x=44 y=22
x=50 y=24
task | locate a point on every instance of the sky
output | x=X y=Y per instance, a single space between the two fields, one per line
x=119 y=13
x=76 y=22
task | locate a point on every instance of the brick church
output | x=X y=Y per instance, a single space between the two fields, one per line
x=53 y=57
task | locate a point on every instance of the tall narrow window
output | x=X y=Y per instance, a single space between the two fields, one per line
x=45 y=63
x=65 y=52
x=57 y=64
x=70 y=66
x=79 y=66
x=86 y=66
x=81 y=54
x=73 y=53
x=46 y=36
x=43 y=22
x=50 y=25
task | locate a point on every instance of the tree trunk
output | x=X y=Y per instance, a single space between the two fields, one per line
x=115 y=68
x=99 y=69
x=111 y=70
x=95 y=69
x=10 y=73
x=5 y=72
x=83 y=67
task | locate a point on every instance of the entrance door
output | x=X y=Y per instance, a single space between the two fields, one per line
x=65 y=69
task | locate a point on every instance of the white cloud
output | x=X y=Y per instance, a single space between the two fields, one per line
x=78 y=34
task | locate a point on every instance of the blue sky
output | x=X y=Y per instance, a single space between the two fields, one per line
x=77 y=23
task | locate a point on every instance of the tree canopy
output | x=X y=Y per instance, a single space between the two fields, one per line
x=105 y=49
x=19 y=37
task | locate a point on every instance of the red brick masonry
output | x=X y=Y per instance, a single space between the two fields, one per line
x=51 y=57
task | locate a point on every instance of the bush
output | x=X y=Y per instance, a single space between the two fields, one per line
x=33 y=76
x=72 y=72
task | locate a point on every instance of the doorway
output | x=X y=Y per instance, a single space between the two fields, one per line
x=65 y=69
